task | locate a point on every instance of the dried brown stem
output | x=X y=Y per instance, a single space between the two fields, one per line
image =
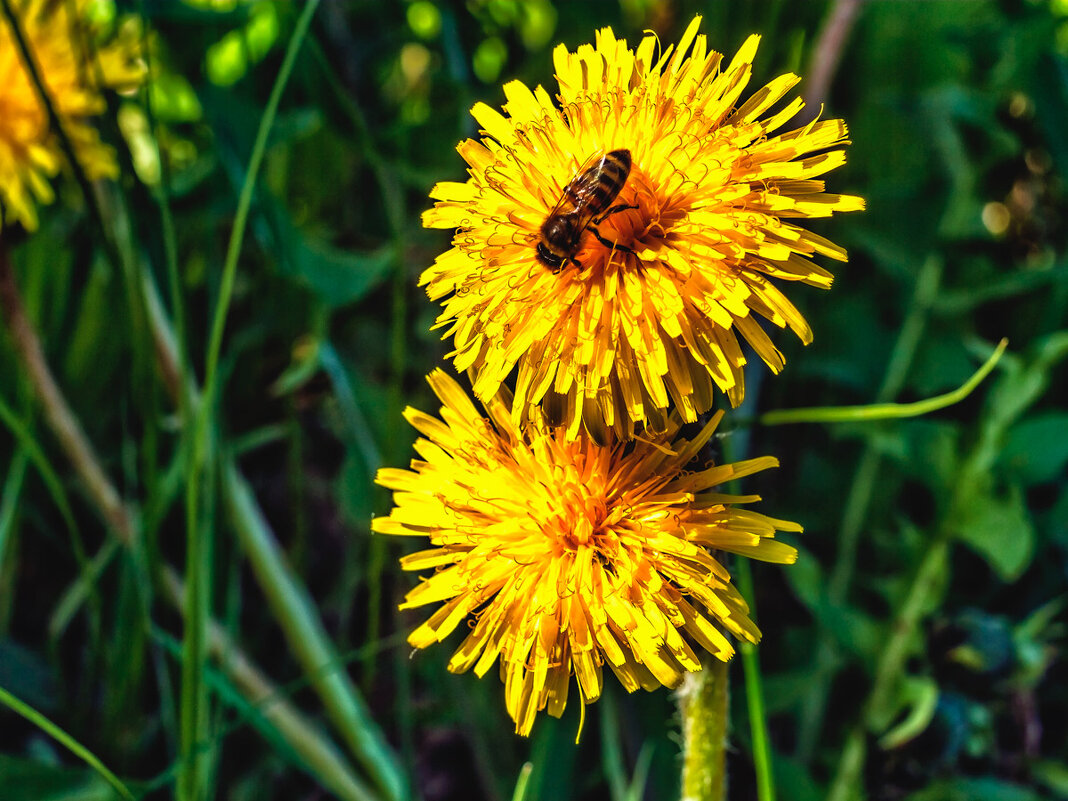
x=827 y=54
x=60 y=418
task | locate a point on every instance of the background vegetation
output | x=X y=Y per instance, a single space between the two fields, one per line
x=917 y=648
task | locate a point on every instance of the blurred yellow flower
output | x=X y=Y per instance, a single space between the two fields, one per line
x=567 y=555
x=74 y=74
x=716 y=188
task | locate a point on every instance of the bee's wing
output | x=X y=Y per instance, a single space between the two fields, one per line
x=576 y=194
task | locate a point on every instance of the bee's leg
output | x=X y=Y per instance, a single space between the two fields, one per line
x=613 y=210
x=608 y=243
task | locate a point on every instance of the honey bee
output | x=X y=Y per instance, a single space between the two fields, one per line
x=585 y=203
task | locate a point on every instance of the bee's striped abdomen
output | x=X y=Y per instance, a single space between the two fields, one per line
x=587 y=195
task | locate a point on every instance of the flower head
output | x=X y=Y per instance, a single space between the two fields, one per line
x=649 y=310
x=568 y=555
x=30 y=151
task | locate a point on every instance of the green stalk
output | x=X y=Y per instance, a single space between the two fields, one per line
x=703 y=702
x=194 y=690
x=64 y=739
x=295 y=613
x=885 y=411
x=244 y=203
x=291 y=725
x=754 y=692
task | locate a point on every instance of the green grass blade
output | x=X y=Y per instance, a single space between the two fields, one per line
x=16 y=474
x=196 y=601
x=754 y=693
x=269 y=712
x=522 y=784
x=295 y=613
x=244 y=203
x=64 y=739
x=40 y=462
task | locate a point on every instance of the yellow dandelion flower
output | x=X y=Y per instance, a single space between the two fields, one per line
x=567 y=555
x=30 y=151
x=646 y=310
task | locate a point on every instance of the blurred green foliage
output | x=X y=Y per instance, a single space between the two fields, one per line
x=924 y=623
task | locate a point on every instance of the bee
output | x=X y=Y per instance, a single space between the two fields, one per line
x=585 y=203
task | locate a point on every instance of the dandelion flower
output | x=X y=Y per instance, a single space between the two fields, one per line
x=567 y=556
x=718 y=188
x=30 y=152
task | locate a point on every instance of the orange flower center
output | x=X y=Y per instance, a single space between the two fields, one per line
x=583 y=518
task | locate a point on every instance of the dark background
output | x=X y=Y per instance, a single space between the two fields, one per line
x=957 y=111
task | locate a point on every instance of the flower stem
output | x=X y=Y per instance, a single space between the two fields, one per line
x=827 y=52
x=703 y=704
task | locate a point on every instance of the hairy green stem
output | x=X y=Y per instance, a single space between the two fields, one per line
x=703 y=702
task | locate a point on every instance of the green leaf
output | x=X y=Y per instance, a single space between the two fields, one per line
x=1037 y=448
x=919 y=696
x=1053 y=774
x=999 y=530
